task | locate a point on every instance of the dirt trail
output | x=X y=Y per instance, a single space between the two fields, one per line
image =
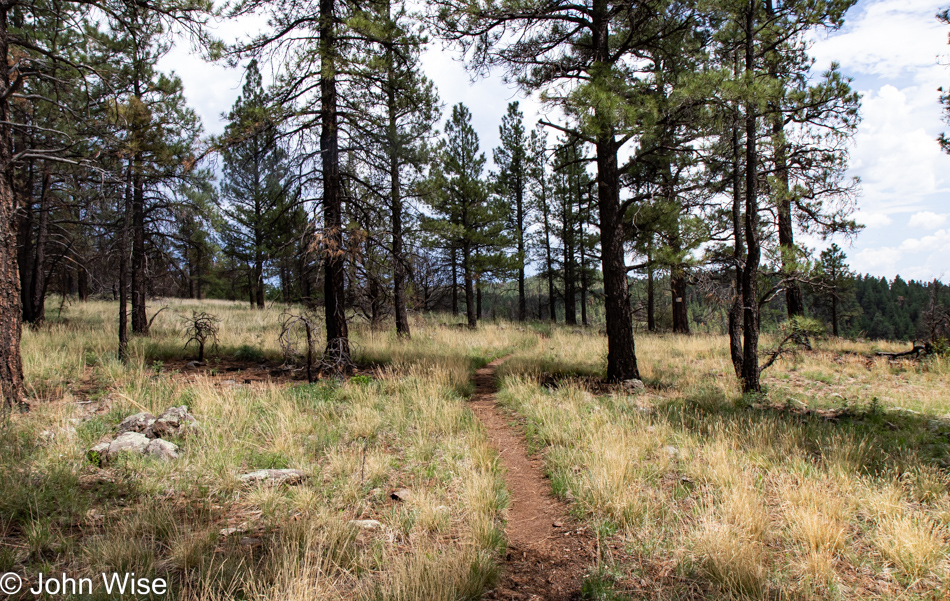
x=548 y=551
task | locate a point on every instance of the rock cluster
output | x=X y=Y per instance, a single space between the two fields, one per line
x=143 y=434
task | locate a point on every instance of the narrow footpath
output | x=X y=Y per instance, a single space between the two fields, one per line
x=548 y=551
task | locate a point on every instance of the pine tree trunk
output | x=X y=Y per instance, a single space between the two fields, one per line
x=124 y=271
x=834 y=313
x=478 y=300
x=395 y=200
x=519 y=215
x=38 y=280
x=333 y=263
x=82 y=283
x=11 y=366
x=678 y=291
x=621 y=354
x=469 y=286
x=651 y=301
x=139 y=283
x=455 y=283
x=259 y=283
x=750 y=303
x=735 y=311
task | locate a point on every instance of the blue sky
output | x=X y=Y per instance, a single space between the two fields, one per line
x=895 y=51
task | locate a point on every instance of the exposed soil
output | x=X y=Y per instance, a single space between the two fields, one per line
x=548 y=551
x=234 y=372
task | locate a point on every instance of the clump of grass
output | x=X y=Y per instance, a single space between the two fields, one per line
x=913 y=545
x=732 y=559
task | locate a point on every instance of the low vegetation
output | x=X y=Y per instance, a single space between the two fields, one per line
x=831 y=484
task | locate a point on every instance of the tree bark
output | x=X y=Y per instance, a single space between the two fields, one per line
x=794 y=303
x=750 y=304
x=455 y=283
x=333 y=261
x=124 y=270
x=519 y=215
x=469 y=285
x=395 y=200
x=11 y=366
x=621 y=354
x=735 y=311
x=139 y=283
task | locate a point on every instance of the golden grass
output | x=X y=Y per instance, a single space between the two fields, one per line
x=832 y=485
x=356 y=442
x=752 y=501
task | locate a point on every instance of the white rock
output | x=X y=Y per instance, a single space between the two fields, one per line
x=367 y=524
x=129 y=442
x=286 y=476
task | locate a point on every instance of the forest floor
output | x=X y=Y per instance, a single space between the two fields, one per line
x=439 y=472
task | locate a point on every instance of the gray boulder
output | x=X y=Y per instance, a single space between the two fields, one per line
x=171 y=422
x=162 y=449
x=129 y=442
x=633 y=386
x=138 y=422
x=98 y=453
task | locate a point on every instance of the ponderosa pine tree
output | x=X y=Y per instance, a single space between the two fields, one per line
x=458 y=196
x=400 y=107
x=258 y=190
x=511 y=158
x=588 y=58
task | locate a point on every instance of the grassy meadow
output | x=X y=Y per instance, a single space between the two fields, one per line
x=833 y=484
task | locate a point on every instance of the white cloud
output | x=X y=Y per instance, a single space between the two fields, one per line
x=885 y=38
x=927 y=220
x=873 y=220
x=876 y=261
x=938 y=241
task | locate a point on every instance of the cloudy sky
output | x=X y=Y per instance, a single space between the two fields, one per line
x=897 y=54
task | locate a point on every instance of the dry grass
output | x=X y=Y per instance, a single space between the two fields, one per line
x=790 y=495
x=356 y=441
x=831 y=485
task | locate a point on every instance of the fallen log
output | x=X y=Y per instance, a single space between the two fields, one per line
x=916 y=351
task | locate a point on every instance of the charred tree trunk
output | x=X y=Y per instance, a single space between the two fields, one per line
x=678 y=292
x=333 y=262
x=82 y=283
x=259 y=283
x=11 y=366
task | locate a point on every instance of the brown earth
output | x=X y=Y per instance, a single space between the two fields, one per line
x=548 y=551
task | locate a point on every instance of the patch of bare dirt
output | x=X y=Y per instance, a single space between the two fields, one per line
x=234 y=372
x=548 y=551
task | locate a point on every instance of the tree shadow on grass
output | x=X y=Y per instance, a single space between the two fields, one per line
x=878 y=440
